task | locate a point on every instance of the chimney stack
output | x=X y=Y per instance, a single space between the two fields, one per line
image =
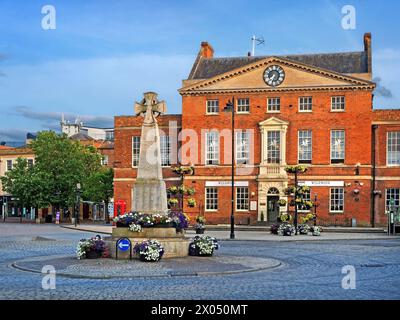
x=206 y=50
x=368 y=51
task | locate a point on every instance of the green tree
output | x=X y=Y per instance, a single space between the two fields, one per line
x=98 y=187
x=60 y=164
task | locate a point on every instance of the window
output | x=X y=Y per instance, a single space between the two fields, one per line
x=273 y=146
x=243 y=105
x=306 y=196
x=392 y=194
x=9 y=165
x=135 y=151
x=212 y=106
x=30 y=163
x=274 y=105
x=212 y=148
x=393 y=148
x=242 y=198
x=165 y=150
x=104 y=160
x=305 y=104
x=110 y=135
x=305 y=146
x=211 y=198
x=337 y=103
x=337 y=200
x=337 y=146
x=242 y=147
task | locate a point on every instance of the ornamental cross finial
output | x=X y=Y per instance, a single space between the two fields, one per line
x=150 y=107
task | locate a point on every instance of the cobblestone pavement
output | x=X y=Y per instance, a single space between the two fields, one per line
x=310 y=270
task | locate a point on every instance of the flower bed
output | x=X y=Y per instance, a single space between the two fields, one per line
x=92 y=248
x=134 y=220
x=149 y=250
x=203 y=246
x=286 y=229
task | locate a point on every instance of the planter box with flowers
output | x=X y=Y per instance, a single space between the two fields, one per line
x=92 y=248
x=149 y=250
x=203 y=246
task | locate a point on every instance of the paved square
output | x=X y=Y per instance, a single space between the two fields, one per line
x=308 y=270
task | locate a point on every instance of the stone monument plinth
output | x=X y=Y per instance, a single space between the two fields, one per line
x=149 y=190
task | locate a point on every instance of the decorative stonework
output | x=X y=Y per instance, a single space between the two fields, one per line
x=149 y=191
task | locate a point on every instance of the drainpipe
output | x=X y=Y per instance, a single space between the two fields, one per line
x=374 y=127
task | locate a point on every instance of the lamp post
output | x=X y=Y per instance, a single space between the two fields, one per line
x=315 y=210
x=78 y=194
x=230 y=107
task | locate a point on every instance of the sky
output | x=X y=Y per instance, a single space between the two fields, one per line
x=102 y=55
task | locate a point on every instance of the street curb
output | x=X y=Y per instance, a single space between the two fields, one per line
x=287 y=239
x=192 y=274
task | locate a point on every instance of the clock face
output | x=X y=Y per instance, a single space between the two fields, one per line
x=274 y=76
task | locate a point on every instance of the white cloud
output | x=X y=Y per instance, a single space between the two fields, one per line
x=105 y=86
x=385 y=65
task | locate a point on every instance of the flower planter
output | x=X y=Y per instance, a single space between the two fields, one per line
x=196 y=252
x=93 y=255
x=122 y=225
x=142 y=257
x=200 y=231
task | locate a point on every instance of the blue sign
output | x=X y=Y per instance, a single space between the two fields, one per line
x=124 y=244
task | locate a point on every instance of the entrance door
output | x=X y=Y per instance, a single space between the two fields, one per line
x=272 y=209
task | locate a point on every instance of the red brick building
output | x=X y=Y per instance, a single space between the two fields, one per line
x=315 y=110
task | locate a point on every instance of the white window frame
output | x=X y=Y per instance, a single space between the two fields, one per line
x=134 y=155
x=330 y=200
x=298 y=146
x=212 y=151
x=331 y=147
x=273 y=102
x=243 y=103
x=239 y=196
x=267 y=158
x=335 y=104
x=396 y=199
x=216 y=106
x=303 y=104
x=397 y=139
x=9 y=165
x=242 y=136
x=165 y=146
x=215 y=207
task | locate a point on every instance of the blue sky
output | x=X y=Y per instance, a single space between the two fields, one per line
x=104 y=54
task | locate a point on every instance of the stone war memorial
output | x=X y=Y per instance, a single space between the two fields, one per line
x=149 y=191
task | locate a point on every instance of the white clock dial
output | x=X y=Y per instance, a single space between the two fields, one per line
x=274 y=75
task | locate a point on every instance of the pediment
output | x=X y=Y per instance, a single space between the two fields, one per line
x=273 y=122
x=297 y=77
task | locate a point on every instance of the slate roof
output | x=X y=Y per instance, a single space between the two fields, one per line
x=344 y=62
x=81 y=137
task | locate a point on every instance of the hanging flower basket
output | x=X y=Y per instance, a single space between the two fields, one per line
x=296 y=169
x=191 y=202
x=173 y=202
x=282 y=202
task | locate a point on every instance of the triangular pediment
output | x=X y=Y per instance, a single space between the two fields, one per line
x=273 y=122
x=297 y=76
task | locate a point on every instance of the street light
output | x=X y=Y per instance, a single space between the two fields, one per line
x=315 y=210
x=78 y=193
x=230 y=107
